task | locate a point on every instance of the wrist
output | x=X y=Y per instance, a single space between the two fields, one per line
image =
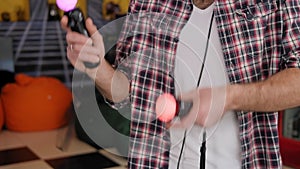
x=232 y=92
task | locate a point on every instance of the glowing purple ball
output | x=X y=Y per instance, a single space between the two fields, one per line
x=66 y=5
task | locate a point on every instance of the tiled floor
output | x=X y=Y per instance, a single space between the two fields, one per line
x=42 y=150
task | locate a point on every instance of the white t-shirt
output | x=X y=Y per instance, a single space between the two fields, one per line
x=223 y=145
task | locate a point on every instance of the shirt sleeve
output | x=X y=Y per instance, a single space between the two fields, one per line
x=122 y=62
x=291 y=36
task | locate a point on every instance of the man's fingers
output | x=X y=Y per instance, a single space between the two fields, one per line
x=75 y=37
x=64 y=23
x=84 y=53
x=185 y=122
x=189 y=119
x=89 y=57
x=187 y=96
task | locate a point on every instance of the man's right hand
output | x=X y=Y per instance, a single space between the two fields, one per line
x=113 y=85
x=82 y=48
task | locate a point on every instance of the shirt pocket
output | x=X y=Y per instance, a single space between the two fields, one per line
x=254 y=23
x=258 y=10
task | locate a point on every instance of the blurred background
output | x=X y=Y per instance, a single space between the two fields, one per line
x=33 y=44
x=38 y=126
x=32 y=40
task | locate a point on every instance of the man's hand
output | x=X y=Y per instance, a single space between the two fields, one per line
x=207 y=109
x=84 y=49
x=279 y=92
x=113 y=84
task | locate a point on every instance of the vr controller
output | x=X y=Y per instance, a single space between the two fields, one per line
x=168 y=107
x=77 y=23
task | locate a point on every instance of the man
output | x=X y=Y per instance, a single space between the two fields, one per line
x=260 y=43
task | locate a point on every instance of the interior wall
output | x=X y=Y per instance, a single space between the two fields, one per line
x=18 y=10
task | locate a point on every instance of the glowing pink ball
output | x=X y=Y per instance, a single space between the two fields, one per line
x=166 y=107
x=66 y=5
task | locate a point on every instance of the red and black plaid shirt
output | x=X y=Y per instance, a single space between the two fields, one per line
x=258 y=37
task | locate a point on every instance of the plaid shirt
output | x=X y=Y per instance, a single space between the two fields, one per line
x=258 y=37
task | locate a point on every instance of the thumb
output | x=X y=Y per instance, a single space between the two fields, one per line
x=186 y=96
x=95 y=35
x=64 y=23
x=91 y=28
x=187 y=120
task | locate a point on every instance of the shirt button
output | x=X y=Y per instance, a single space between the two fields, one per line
x=176 y=39
x=165 y=138
x=189 y=7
